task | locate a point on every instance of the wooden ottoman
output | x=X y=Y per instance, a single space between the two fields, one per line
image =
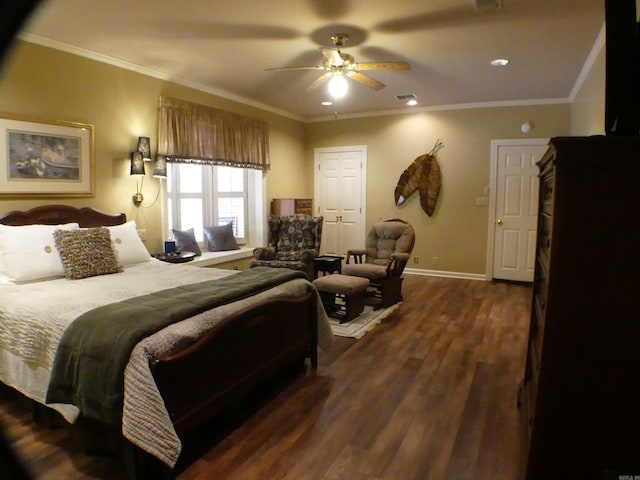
x=342 y=295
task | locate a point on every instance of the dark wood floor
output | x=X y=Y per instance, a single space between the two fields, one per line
x=428 y=394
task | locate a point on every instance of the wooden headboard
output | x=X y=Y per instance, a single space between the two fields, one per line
x=57 y=214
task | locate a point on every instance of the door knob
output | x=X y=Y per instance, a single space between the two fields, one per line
x=499 y=222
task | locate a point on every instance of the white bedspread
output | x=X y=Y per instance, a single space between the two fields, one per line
x=34 y=316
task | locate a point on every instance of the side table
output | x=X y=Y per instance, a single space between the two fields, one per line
x=181 y=257
x=327 y=264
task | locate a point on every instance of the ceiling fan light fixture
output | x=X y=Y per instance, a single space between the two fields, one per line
x=338 y=86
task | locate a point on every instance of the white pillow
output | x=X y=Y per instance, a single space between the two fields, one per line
x=29 y=253
x=127 y=244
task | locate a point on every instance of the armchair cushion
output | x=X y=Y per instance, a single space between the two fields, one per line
x=365 y=270
x=386 y=238
x=293 y=264
x=264 y=253
x=297 y=234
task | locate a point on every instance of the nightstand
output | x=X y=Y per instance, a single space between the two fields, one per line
x=327 y=264
x=181 y=257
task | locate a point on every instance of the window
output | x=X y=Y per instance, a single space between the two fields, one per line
x=205 y=195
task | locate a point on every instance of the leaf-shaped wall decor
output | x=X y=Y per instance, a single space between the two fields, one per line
x=422 y=175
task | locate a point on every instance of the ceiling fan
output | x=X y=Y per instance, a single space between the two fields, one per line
x=338 y=64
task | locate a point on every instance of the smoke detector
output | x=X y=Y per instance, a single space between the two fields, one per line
x=486 y=5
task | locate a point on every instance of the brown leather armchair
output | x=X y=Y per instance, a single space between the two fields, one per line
x=387 y=250
x=293 y=242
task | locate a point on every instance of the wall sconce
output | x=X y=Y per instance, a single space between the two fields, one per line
x=138 y=159
x=160 y=167
x=144 y=147
x=137 y=168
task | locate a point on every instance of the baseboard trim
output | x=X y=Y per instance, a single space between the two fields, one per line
x=440 y=273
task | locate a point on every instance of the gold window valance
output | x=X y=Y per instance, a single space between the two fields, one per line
x=193 y=133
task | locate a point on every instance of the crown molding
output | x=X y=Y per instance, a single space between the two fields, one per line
x=82 y=52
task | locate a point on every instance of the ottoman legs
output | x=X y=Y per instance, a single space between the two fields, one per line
x=342 y=295
x=343 y=307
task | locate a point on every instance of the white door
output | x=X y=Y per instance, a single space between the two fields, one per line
x=516 y=209
x=339 y=194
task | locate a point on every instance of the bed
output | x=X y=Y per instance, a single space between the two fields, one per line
x=176 y=377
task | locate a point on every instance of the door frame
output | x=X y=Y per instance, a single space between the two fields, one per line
x=363 y=180
x=493 y=185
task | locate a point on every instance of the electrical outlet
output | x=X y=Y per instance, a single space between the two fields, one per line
x=142 y=233
x=434 y=260
x=416 y=259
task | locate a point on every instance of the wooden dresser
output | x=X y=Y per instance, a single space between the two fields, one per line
x=289 y=206
x=580 y=397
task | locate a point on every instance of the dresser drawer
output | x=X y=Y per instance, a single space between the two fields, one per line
x=532 y=384
x=541 y=278
x=544 y=235
x=546 y=192
x=538 y=317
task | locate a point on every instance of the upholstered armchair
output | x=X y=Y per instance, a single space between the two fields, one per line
x=387 y=250
x=293 y=242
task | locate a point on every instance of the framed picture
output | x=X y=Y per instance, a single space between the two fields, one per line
x=45 y=158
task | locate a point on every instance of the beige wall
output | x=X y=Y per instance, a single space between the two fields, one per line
x=122 y=105
x=587 y=109
x=457 y=231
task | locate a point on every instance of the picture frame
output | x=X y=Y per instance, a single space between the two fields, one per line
x=45 y=158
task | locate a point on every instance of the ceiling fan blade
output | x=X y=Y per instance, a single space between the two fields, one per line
x=383 y=66
x=332 y=56
x=321 y=80
x=366 y=80
x=317 y=67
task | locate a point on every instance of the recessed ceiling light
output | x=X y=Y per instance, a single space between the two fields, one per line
x=327 y=103
x=411 y=99
x=500 y=62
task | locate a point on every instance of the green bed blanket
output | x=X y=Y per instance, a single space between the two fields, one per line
x=88 y=369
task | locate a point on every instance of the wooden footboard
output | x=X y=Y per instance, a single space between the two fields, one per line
x=236 y=356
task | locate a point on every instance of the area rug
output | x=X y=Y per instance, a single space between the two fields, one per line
x=364 y=322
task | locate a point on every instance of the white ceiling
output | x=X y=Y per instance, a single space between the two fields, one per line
x=224 y=47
